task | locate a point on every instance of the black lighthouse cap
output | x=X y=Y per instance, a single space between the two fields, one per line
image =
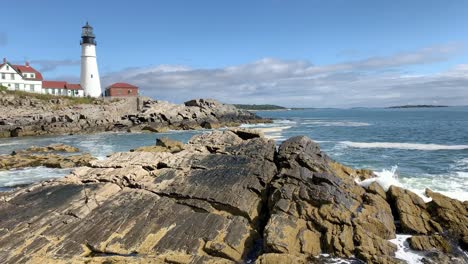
x=87 y=35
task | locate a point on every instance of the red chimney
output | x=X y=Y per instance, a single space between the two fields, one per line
x=27 y=63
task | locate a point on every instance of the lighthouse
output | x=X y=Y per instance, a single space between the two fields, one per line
x=89 y=79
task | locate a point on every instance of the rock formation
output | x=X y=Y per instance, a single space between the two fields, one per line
x=30 y=116
x=224 y=197
x=49 y=156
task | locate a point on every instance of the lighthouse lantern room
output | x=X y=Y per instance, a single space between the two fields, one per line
x=89 y=80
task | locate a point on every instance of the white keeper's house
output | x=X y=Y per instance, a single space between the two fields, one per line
x=26 y=78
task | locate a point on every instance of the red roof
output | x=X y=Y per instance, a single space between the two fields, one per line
x=73 y=86
x=122 y=85
x=28 y=69
x=54 y=84
x=60 y=85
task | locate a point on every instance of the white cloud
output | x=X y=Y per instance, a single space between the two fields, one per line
x=376 y=81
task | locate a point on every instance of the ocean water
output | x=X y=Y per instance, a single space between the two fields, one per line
x=414 y=148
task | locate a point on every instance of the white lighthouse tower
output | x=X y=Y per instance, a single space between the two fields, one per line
x=89 y=80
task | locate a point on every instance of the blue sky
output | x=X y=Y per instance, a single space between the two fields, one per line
x=295 y=53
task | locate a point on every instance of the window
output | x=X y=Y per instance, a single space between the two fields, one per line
x=32 y=75
x=3 y=76
x=91 y=76
x=12 y=76
x=17 y=86
x=8 y=68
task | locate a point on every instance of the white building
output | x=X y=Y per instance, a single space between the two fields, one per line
x=20 y=77
x=62 y=88
x=27 y=79
x=89 y=78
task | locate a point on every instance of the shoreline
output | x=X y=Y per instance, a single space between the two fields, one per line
x=204 y=179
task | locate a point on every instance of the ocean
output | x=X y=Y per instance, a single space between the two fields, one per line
x=415 y=148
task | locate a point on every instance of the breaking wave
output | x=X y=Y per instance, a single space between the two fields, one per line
x=404 y=252
x=20 y=177
x=408 y=146
x=453 y=185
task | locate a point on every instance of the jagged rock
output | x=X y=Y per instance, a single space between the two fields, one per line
x=221 y=198
x=53 y=148
x=451 y=214
x=192 y=206
x=316 y=206
x=436 y=257
x=171 y=145
x=430 y=243
x=51 y=160
x=375 y=188
x=30 y=116
x=272 y=258
x=412 y=213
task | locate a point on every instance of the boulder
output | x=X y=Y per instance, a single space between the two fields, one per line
x=317 y=207
x=411 y=212
x=430 y=243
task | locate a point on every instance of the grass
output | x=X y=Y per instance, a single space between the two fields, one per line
x=47 y=97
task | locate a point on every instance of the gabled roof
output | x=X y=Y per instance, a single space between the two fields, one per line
x=11 y=65
x=28 y=69
x=122 y=85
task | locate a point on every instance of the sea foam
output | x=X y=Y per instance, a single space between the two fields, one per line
x=404 y=252
x=409 y=146
x=385 y=179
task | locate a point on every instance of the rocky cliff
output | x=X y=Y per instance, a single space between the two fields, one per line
x=22 y=115
x=225 y=197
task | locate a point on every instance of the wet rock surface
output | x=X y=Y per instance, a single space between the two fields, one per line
x=52 y=156
x=29 y=116
x=225 y=197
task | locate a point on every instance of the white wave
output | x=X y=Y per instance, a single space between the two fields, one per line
x=273 y=129
x=284 y=121
x=8 y=144
x=404 y=252
x=326 y=123
x=462 y=164
x=408 y=146
x=453 y=185
x=385 y=179
x=24 y=176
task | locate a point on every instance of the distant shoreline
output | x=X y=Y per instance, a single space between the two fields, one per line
x=416 y=106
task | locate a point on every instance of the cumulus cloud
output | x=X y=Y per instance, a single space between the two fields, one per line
x=375 y=81
x=3 y=39
x=50 y=65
